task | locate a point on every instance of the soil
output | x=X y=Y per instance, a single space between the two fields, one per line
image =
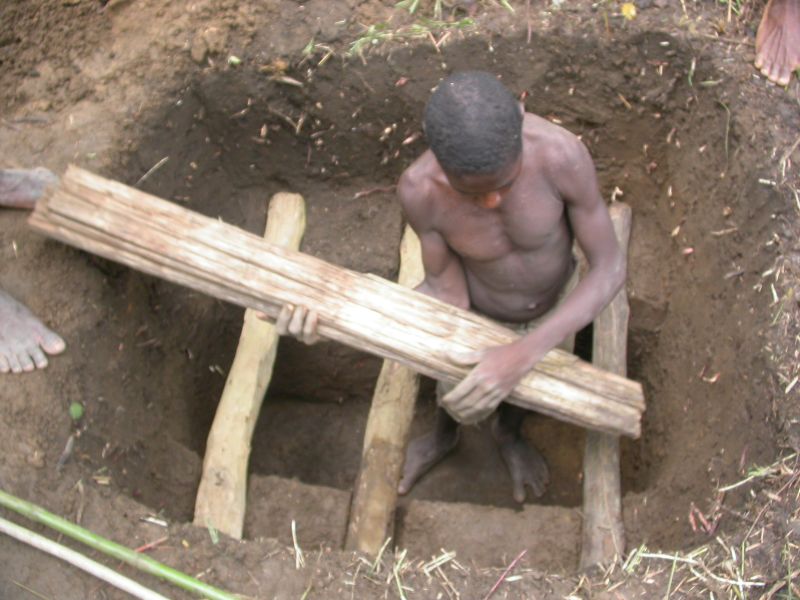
x=679 y=125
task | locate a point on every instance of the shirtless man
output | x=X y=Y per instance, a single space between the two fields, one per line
x=778 y=41
x=24 y=339
x=496 y=203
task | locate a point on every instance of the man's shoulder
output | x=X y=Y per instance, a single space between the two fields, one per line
x=413 y=188
x=555 y=145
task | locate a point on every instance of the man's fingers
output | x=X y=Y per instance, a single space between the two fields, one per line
x=454 y=397
x=477 y=405
x=466 y=358
x=296 y=322
x=282 y=323
x=310 y=335
x=299 y=322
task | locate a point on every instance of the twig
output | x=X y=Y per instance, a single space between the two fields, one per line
x=151 y=545
x=29 y=590
x=299 y=561
x=726 y=40
x=788 y=153
x=151 y=170
x=505 y=574
x=78 y=560
x=376 y=190
x=112 y=549
x=66 y=453
x=528 y=18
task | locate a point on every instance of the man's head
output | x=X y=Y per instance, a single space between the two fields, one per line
x=473 y=125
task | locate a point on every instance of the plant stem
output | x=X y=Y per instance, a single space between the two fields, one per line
x=141 y=562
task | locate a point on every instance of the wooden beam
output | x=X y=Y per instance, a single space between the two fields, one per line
x=603 y=531
x=360 y=310
x=386 y=438
x=221 y=497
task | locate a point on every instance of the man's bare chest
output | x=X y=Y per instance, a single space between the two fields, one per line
x=520 y=226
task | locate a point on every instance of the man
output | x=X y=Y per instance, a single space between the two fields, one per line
x=24 y=339
x=496 y=203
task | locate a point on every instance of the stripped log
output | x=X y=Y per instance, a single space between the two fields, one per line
x=386 y=437
x=222 y=495
x=360 y=310
x=603 y=531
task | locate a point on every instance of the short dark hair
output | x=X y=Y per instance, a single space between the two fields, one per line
x=473 y=124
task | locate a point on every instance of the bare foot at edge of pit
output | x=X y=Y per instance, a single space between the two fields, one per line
x=423 y=454
x=24 y=339
x=21 y=188
x=524 y=463
x=778 y=41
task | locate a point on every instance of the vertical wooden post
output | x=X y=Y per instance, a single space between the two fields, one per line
x=386 y=437
x=222 y=494
x=603 y=530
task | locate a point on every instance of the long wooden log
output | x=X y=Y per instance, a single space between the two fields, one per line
x=386 y=437
x=222 y=494
x=360 y=310
x=603 y=531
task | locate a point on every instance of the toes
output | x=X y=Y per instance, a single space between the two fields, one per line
x=4 y=366
x=26 y=362
x=52 y=343
x=13 y=363
x=519 y=492
x=39 y=359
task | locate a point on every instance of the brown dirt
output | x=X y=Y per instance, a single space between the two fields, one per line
x=116 y=90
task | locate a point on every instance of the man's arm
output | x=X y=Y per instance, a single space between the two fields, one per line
x=444 y=275
x=574 y=175
x=500 y=369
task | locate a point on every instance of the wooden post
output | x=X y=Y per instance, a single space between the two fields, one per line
x=222 y=494
x=603 y=530
x=385 y=440
x=357 y=309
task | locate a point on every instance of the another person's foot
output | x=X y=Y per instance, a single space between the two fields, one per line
x=423 y=453
x=21 y=188
x=525 y=465
x=24 y=339
x=778 y=41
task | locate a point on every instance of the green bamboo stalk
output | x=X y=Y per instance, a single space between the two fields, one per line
x=112 y=549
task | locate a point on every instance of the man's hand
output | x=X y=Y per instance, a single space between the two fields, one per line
x=299 y=322
x=497 y=373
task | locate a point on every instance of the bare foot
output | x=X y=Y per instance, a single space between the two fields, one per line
x=423 y=453
x=525 y=465
x=21 y=188
x=23 y=338
x=778 y=41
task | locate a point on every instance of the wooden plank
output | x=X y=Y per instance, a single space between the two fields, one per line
x=603 y=530
x=222 y=494
x=360 y=310
x=386 y=437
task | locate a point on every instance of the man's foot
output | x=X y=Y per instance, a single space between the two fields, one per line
x=23 y=338
x=778 y=41
x=21 y=188
x=423 y=453
x=525 y=465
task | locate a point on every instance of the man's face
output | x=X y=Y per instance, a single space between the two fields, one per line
x=488 y=190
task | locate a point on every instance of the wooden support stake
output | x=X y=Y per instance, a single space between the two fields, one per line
x=603 y=530
x=222 y=494
x=360 y=310
x=386 y=437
